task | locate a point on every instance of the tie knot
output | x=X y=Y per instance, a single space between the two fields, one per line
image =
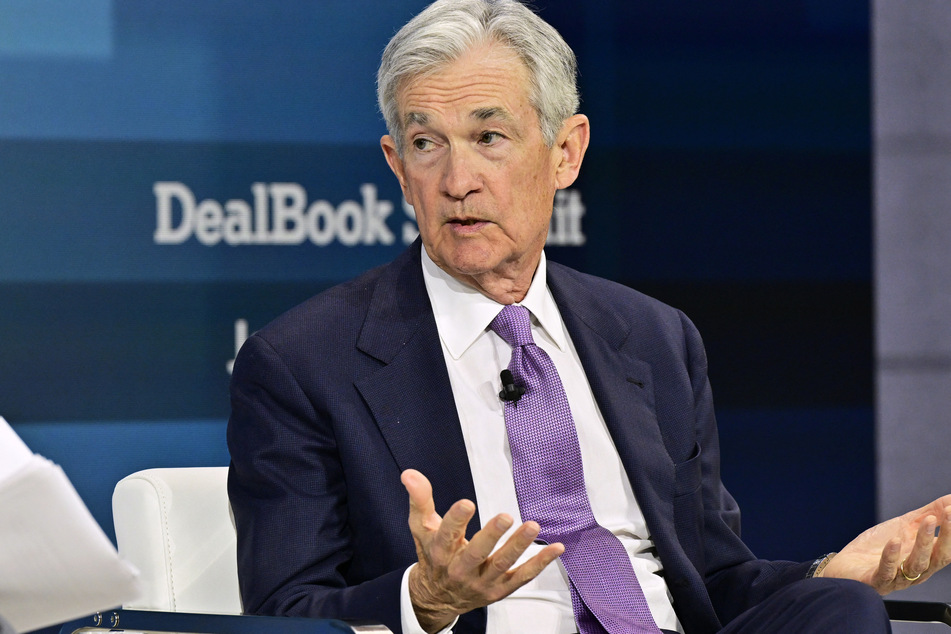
x=513 y=325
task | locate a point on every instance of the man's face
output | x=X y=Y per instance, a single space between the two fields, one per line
x=476 y=168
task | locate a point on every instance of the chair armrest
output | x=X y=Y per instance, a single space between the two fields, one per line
x=153 y=622
x=919 y=611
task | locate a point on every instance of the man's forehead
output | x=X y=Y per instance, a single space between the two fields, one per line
x=488 y=81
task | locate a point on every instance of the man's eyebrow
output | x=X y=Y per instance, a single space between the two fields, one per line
x=484 y=114
x=416 y=118
x=479 y=114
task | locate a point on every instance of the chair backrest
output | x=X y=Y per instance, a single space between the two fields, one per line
x=176 y=527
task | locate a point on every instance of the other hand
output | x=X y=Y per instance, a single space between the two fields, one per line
x=900 y=552
x=455 y=575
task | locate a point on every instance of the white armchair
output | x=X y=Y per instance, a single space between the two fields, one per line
x=175 y=526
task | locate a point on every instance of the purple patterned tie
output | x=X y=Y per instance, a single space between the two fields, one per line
x=549 y=483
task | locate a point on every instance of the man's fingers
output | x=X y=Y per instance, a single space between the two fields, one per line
x=534 y=566
x=478 y=561
x=420 y=494
x=497 y=568
x=919 y=559
x=497 y=575
x=505 y=557
x=941 y=555
x=437 y=536
x=888 y=567
x=518 y=577
x=482 y=543
x=451 y=534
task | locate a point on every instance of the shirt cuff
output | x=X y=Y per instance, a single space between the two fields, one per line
x=408 y=614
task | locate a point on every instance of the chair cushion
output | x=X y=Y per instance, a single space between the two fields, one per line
x=175 y=526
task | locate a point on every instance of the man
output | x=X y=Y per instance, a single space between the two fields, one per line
x=394 y=378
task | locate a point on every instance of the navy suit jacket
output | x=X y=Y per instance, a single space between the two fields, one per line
x=334 y=399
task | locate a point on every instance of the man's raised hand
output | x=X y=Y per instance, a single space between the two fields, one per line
x=455 y=575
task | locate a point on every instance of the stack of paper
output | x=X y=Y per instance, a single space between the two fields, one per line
x=56 y=564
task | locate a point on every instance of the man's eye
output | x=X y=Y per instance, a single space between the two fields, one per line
x=488 y=138
x=421 y=144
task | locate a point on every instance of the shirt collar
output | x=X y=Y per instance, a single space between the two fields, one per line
x=463 y=314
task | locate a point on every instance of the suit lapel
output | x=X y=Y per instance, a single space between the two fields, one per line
x=603 y=339
x=410 y=396
x=623 y=388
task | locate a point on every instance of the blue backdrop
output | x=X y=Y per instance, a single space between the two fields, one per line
x=174 y=174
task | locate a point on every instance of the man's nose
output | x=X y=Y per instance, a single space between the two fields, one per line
x=461 y=177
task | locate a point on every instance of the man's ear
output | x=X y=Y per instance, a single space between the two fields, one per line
x=396 y=163
x=572 y=143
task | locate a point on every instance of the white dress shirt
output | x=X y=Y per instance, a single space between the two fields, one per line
x=474 y=357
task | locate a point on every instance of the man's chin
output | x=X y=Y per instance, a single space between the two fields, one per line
x=468 y=269
x=480 y=265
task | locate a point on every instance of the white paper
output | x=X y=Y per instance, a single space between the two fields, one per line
x=56 y=564
x=13 y=452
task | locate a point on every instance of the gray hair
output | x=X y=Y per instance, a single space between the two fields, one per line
x=447 y=29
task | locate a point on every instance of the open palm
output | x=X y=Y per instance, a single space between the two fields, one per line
x=899 y=552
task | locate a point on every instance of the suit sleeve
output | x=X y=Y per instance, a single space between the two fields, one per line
x=289 y=498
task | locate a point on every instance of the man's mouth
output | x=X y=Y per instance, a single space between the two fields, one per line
x=468 y=225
